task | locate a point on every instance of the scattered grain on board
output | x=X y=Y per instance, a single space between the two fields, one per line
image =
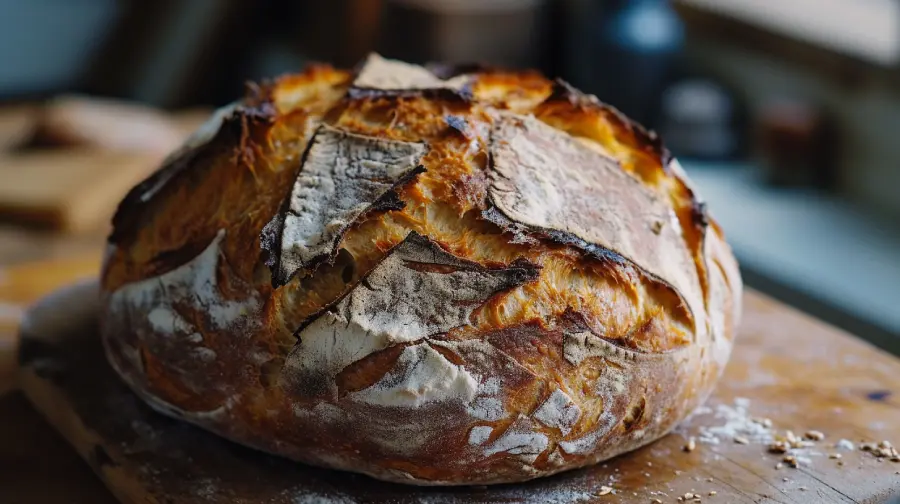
x=765 y=422
x=814 y=435
x=605 y=490
x=779 y=447
x=691 y=444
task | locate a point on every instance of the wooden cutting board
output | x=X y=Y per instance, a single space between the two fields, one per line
x=795 y=371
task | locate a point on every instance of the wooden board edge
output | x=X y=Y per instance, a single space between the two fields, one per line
x=52 y=404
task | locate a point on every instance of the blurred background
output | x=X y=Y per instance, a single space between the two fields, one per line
x=786 y=113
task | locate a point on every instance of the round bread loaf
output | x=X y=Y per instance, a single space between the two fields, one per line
x=433 y=276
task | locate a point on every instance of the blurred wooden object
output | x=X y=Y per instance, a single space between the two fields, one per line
x=69 y=190
x=17 y=122
x=107 y=125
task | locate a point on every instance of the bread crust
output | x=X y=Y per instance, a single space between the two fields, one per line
x=466 y=276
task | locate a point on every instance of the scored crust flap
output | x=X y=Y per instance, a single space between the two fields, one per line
x=379 y=75
x=418 y=290
x=546 y=184
x=342 y=177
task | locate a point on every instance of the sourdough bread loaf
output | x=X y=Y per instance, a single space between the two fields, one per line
x=434 y=276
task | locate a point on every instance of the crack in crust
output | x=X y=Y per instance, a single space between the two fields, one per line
x=343 y=176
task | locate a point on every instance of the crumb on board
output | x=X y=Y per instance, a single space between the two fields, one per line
x=814 y=435
x=605 y=490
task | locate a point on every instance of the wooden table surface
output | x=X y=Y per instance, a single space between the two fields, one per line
x=790 y=368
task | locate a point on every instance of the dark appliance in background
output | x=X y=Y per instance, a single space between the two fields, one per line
x=624 y=51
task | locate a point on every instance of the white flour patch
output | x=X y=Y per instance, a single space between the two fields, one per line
x=479 y=434
x=165 y=320
x=558 y=411
x=845 y=444
x=519 y=439
x=487 y=406
x=420 y=376
x=589 y=441
x=737 y=422
x=193 y=283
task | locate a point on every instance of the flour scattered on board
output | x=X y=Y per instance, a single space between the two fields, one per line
x=738 y=424
x=845 y=444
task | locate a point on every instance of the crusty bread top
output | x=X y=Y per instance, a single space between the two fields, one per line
x=172 y=216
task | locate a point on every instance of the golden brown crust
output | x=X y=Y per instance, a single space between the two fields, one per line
x=456 y=310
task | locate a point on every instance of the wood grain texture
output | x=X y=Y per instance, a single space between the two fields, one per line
x=795 y=371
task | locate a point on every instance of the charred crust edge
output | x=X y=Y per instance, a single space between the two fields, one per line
x=699 y=213
x=462 y=95
x=237 y=129
x=458 y=124
x=445 y=71
x=532 y=234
